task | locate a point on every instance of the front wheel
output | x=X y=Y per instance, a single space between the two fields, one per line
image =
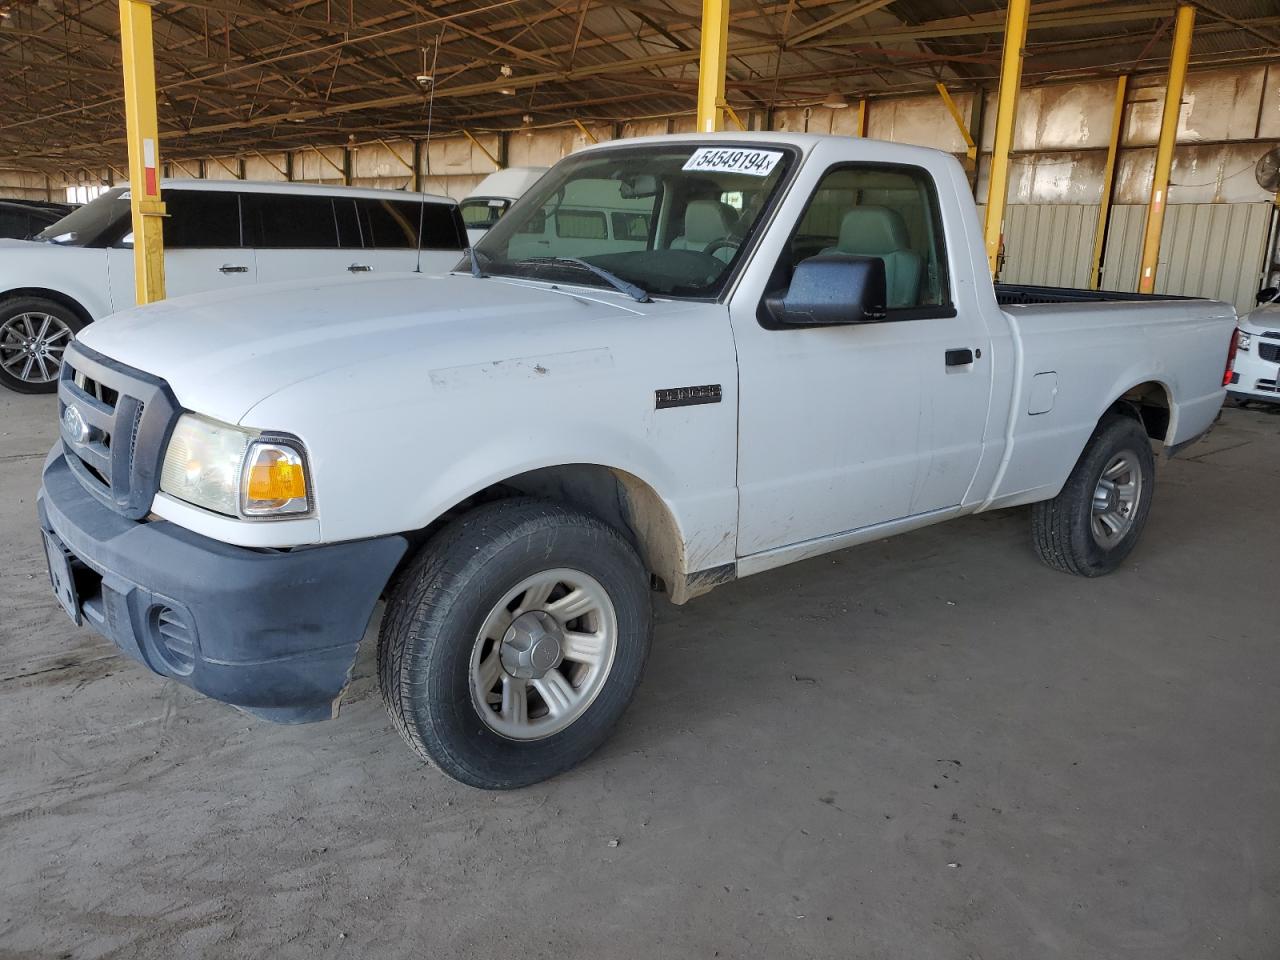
x=1094 y=523
x=514 y=642
x=34 y=332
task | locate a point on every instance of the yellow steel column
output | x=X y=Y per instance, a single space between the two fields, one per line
x=860 y=125
x=142 y=128
x=1015 y=38
x=971 y=148
x=1164 y=149
x=711 y=68
x=1108 y=182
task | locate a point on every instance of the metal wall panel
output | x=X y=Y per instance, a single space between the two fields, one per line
x=1206 y=249
x=1049 y=244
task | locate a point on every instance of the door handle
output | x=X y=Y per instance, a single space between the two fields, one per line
x=232 y=268
x=360 y=268
x=959 y=357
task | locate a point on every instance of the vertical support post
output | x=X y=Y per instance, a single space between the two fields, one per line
x=712 y=66
x=971 y=148
x=1015 y=38
x=1164 y=148
x=417 y=167
x=288 y=166
x=346 y=166
x=138 y=59
x=977 y=118
x=1108 y=183
x=860 y=122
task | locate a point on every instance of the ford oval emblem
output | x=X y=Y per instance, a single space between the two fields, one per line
x=74 y=425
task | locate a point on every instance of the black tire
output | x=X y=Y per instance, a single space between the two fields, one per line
x=1063 y=528
x=15 y=320
x=439 y=605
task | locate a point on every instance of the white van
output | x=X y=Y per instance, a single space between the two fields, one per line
x=218 y=235
x=484 y=205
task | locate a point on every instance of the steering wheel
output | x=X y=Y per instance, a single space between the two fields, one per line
x=711 y=248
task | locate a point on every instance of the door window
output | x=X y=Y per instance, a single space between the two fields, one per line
x=282 y=221
x=344 y=212
x=201 y=218
x=393 y=224
x=888 y=212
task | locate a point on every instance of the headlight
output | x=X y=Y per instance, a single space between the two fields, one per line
x=1243 y=340
x=234 y=471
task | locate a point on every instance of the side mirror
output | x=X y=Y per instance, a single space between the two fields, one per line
x=830 y=289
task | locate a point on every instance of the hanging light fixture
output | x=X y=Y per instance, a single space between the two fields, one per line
x=835 y=101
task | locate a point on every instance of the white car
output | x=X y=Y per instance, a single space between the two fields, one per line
x=804 y=352
x=1257 y=363
x=218 y=235
x=486 y=204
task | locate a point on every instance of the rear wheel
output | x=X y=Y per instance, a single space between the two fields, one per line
x=514 y=642
x=34 y=332
x=1094 y=523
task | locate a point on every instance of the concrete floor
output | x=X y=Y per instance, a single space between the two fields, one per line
x=931 y=747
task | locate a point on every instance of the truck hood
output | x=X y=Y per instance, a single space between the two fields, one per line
x=223 y=352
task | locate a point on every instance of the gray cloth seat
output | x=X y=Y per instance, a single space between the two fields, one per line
x=873 y=231
x=707 y=222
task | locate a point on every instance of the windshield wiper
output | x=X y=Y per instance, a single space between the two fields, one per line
x=638 y=294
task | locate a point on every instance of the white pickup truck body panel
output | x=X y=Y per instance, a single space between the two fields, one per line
x=412 y=393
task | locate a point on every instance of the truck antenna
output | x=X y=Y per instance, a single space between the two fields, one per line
x=429 y=79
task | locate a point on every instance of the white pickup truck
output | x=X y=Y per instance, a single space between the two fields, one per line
x=802 y=351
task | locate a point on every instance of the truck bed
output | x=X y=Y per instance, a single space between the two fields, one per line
x=1009 y=294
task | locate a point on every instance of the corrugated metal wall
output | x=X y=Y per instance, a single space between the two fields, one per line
x=1206 y=249
x=1049 y=244
x=1215 y=229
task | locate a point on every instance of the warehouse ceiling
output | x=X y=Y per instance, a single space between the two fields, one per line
x=236 y=75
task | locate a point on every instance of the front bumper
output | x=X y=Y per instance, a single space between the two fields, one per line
x=272 y=632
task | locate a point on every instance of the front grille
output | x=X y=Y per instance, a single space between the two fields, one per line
x=114 y=421
x=1266 y=386
x=1269 y=352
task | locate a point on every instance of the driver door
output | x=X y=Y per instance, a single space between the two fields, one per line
x=847 y=426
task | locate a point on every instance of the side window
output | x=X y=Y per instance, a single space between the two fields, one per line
x=283 y=221
x=442 y=227
x=581 y=224
x=630 y=226
x=201 y=218
x=386 y=226
x=888 y=212
x=536 y=225
x=344 y=211
x=14 y=224
x=393 y=224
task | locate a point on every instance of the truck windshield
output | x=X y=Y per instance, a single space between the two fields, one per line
x=99 y=223
x=671 y=219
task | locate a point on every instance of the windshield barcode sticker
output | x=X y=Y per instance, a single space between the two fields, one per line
x=758 y=163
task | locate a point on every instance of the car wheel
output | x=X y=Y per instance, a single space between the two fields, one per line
x=1093 y=524
x=514 y=642
x=34 y=332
